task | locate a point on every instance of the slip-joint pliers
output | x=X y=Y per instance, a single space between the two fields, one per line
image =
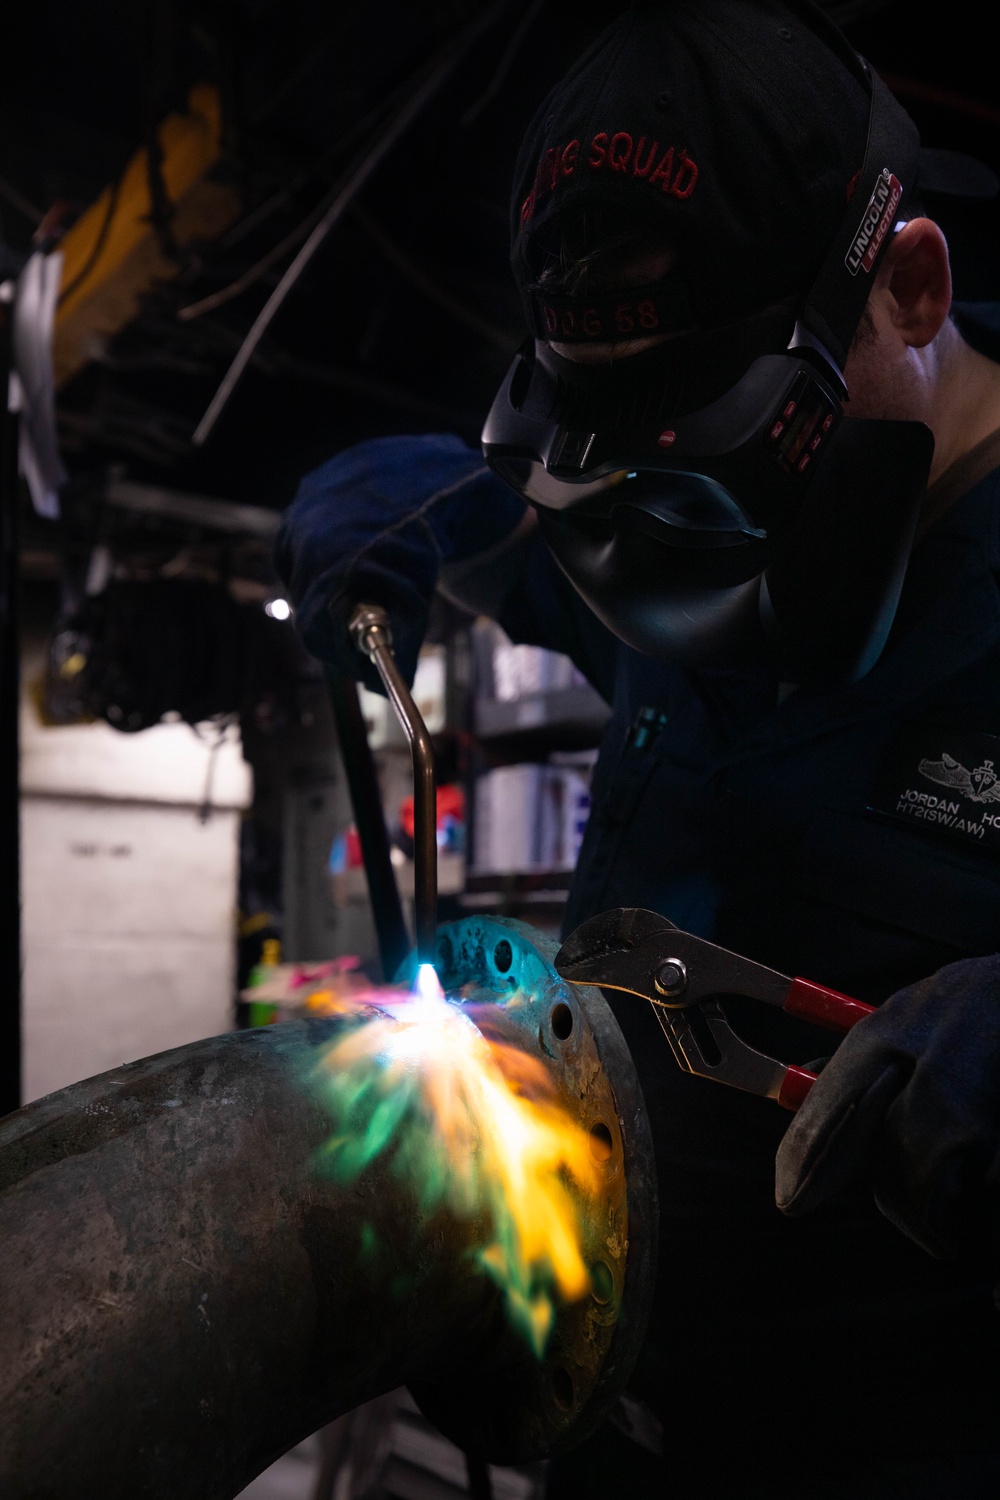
x=683 y=977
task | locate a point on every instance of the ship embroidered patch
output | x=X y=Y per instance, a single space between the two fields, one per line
x=948 y=783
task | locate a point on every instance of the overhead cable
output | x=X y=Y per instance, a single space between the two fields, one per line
x=283 y=196
x=20 y=202
x=424 y=91
x=504 y=65
x=260 y=268
x=500 y=338
x=253 y=274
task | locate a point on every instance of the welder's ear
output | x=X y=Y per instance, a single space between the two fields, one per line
x=914 y=282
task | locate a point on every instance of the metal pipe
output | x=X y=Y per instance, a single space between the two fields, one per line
x=182 y=1298
x=183 y=1295
x=370 y=631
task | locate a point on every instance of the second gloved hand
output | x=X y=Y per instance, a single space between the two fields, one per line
x=375 y=525
x=910 y=1102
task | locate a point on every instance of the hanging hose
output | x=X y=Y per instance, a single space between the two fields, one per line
x=366 y=801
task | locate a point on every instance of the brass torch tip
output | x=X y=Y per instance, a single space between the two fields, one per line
x=369 y=628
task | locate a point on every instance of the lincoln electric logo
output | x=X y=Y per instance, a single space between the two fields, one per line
x=878 y=220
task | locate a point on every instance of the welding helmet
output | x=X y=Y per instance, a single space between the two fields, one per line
x=706 y=495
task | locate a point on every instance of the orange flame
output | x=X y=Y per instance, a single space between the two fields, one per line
x=477 y=1125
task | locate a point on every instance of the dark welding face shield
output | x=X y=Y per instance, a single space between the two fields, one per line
x=707 y=496
x=761 y=526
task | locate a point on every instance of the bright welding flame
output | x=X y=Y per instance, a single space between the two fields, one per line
x=476 y=1126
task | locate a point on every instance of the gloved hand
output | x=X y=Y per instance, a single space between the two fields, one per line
x=375 y=525
x=910 y=1102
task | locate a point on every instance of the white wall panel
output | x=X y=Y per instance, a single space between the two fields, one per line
x=168 y=763
x=128 y=895
x=91 y=866
x=94 y=1004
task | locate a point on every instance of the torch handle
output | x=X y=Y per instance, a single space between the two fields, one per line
x=370 y=631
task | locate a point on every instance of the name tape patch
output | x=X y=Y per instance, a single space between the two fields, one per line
x=945 y=783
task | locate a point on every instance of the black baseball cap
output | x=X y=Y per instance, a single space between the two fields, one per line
x=744 y=131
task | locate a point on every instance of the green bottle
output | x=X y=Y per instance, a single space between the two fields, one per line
x=263 y=1012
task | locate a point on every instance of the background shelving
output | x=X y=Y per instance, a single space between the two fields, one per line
x=535 y=726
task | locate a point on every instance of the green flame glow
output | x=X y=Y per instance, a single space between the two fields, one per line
x=473 y=1127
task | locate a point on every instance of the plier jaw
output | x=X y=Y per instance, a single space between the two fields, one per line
x=683 y=977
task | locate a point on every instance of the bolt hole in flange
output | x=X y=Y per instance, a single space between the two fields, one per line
x=562 y=1021
x=503 y=955
x=538 y=1404
x=602 y=1282
x=562 y=1388
x=602 y=1142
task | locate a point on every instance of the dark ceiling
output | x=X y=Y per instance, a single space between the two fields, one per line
x=405 y=319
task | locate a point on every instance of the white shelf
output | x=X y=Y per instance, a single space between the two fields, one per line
x=578 y=710
x=352 y=885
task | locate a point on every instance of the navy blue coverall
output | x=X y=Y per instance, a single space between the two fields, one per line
x=795 y=834
x=826 y=1355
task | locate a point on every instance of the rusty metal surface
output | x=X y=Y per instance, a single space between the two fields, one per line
x=183 y=1297
x=512 y=1405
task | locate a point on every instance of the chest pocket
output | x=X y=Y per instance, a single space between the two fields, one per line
x=628 y=759
x=905 y=902
x=852 y=899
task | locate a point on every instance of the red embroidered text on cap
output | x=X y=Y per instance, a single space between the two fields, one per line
x=671 y=170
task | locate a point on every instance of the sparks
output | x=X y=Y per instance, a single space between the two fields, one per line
x=476 y=1126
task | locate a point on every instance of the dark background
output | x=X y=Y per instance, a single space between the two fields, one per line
x=405 y=319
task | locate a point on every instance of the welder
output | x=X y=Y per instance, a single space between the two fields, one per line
x=746 y=473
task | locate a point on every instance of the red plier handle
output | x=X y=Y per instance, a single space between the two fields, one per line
x=683 y=977
x=827 y=1008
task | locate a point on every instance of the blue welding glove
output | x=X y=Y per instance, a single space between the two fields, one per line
x=376 y=525
x=910 y=1102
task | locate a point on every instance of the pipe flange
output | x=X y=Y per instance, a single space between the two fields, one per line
x=505 y=1403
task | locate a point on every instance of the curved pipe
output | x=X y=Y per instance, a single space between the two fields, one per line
x=183 y=1296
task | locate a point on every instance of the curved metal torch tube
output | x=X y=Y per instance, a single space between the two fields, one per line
x=369 y=628
x=184 y=1294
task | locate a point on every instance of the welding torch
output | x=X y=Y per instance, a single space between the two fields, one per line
x=369 y=629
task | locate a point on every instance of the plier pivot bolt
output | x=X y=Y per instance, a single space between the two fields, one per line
x=685 y=979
